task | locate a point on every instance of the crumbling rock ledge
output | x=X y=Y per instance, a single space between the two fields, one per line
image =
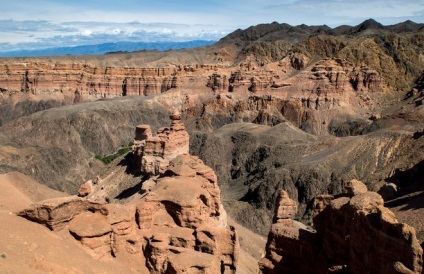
x=354 y=233
x=57 y=212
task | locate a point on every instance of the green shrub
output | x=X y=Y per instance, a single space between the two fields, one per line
x=106 y=159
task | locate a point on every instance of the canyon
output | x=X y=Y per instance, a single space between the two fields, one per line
x=304 y=109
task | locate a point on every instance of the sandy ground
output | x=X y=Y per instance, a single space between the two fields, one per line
x=27 y=247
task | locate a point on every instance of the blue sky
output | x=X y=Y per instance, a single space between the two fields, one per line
x=35 y=24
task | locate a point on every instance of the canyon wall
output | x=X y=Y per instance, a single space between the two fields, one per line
x=78 y=79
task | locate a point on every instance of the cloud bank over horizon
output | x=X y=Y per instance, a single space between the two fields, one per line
x=30 y=35
x=59 y=23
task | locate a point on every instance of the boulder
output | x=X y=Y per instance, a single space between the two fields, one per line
x=86 y=188
x=354 y=187
x=88 y=224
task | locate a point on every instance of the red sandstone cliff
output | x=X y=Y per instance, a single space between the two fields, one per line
x=84 y=80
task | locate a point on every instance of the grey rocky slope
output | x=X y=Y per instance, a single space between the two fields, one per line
x=57 y=146
x=253 y=162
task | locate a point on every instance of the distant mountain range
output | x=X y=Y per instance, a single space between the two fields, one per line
x=107 y=48
x=259 y=33
x=276 y=31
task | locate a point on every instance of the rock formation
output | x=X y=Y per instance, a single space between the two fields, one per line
x=355 y=233
x=254 y=81
x=86 y=188
x=217 y=82
x=178 y=226
x=290 y=248
x=152 y=153
x=56 y=213
x=186 y=222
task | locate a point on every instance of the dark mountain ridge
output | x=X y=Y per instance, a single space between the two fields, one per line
x=275 y=30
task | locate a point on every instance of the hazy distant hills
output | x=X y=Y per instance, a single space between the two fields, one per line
x=107 y=48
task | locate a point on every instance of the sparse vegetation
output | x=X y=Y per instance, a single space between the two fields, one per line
x=107 y=159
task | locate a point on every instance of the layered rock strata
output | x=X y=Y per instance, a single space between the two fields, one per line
x=85 y=80
x=355 y=233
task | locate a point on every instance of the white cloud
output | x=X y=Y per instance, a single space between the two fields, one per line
x=86 y=32
x=42 y=34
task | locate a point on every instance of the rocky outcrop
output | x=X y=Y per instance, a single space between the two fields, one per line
x=147 y=85
x=56 y=213
x=101 y=229
x=186 y=222
x=152 y=153
x=366 y=79
x=341 y=76
x=355 y=187
x=253 y=81
x=294 y=60
x=355 y=233
x=218 y=82
x=177 y=224
x=290 y=247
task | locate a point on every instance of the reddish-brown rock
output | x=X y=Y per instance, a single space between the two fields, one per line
x=86 y=80
x=178 y=226
x=101 y=229
x=288 y=244
x=353 y=235
x=218 y=82
x=85 y=189
x=56 y=213
x=285 y=208
x=152 y=153
x=142 y=132
x=187 y=223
